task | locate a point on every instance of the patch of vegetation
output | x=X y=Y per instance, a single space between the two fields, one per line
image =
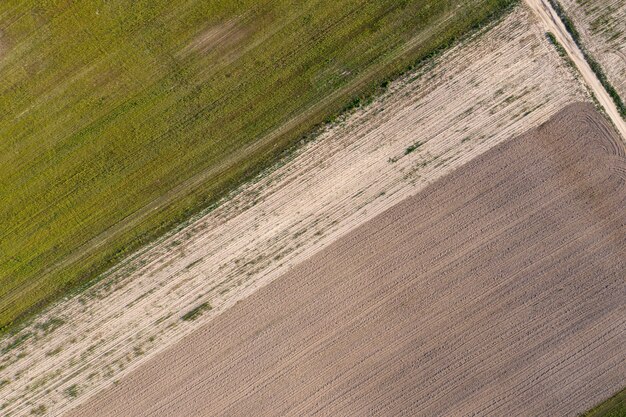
x=162 y=319
x=38 y=411
x=606 y=22
x=595 y=66
x=407 y=151
x=41 y=381
x=72 y=391
x=412 y=147
x=557 y=45
x=613 y=407
x=597 y=69
x=55 y=351
x=116 y=136
x=192 y=264
x=562 y=53
x=567 y=22
x=196 y=312
x=16 y=342
x=50 y=325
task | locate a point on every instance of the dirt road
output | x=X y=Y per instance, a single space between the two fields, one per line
x=553 y=23
x=601 y=25
x=496 y=291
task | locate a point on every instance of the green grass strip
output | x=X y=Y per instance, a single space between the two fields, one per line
x=613 y=407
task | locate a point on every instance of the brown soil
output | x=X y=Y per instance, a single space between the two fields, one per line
x=498 y=290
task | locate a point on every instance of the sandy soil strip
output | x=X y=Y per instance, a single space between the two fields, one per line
x=553 y=23
x=602 y=26
x=494 y=88
x=499 y=290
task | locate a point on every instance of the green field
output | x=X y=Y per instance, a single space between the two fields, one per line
x=613 y=407
x=120 y=119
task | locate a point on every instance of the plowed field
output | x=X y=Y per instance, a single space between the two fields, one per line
x=498 y=290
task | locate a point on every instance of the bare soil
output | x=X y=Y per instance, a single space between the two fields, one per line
x=489 y=89
x=498 y=290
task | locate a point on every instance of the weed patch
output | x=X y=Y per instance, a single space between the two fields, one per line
x=196 y=312
x=38 y=411
x=412 y=148
x=72 y=391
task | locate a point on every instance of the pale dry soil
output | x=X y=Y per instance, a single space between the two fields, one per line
x=602 y=25
x=492 y=88
x=497 y=291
